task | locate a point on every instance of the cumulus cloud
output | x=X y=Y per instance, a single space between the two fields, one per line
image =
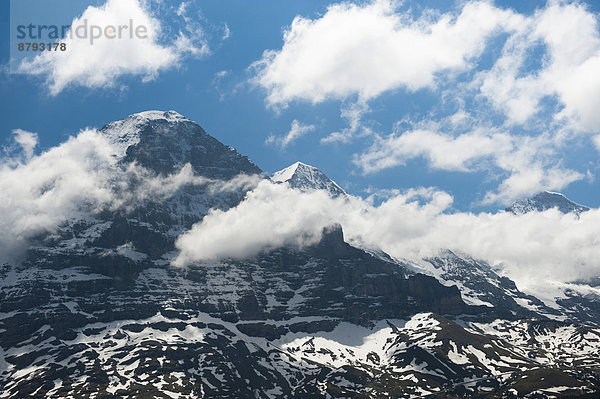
x=271 y=216
x=362 y=51
x=443 y=151
x=596 y=141
x=365 y=50
x=297 y=130
x=26 y=140
x=100 y=64
x=565 y=37
x=531 y=248
x=529 y=179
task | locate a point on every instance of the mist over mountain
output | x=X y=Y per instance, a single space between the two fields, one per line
x=161 y=263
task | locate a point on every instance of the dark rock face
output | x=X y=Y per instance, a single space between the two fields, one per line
x=349 y=284
x=96 y=310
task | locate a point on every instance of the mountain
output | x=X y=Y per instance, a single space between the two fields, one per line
x=305 y=177
x=480 y=285
x=96 y=309
x=157 y=144
x=164 y=141
x=544 y=201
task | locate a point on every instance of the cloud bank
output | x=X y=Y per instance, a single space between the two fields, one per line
x=270 y=217
x=530 y=248
x=83 y=176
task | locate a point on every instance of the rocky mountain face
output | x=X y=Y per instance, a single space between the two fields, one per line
x=97 y=310
x=544 y=201
x=165 y=141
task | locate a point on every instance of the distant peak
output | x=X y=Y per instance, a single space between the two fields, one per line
x=287 y=173
x=306 y=178
x=546 y=200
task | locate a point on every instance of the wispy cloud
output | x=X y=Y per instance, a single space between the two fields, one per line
x=526 y=164
x=26 y=140
x=353 y=114
x=296 y=131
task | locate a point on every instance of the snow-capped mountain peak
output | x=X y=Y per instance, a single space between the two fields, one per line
x=287 y=173
x=544 y=201
x=125 y=133
x=306 y=178
x=156 y=114
x=163 y=141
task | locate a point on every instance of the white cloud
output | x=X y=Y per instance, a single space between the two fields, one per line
x=297 y=130
x=182 y=9
x=353 y=114
x=528 y=164
x=82 y=176
x=363 y=51
x=62 y=182
x=369 y=49
x=443 y=151
x=356 y=52
x=226 y=32
x=530 y=179
x=271 y=216
x=579 y=92
x=596 y=141
x=531 y=249
x=567 y=41
x=27 y=140
x=100 y=64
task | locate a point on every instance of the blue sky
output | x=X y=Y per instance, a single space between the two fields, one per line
x=451 y=112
